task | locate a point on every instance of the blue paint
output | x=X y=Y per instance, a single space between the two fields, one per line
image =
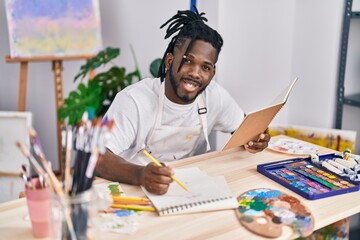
x=123 y=213
x=272 y=194
x=50 y=8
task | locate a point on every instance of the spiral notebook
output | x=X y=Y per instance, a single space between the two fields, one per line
x=257 y=122
x=207 y=193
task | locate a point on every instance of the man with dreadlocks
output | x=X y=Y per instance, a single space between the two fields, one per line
x=171 y=116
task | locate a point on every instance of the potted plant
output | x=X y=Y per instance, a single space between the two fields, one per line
x=99 y=92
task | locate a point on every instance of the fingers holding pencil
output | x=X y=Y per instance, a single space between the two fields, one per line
x=164 y=172
x=156 y=179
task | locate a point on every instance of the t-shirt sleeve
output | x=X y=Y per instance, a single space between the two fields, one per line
x=124 y=112
x=230 y=115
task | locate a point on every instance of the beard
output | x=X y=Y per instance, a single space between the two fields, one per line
x=186 y=98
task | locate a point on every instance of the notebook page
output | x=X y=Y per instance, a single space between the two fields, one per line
x=220 y=204
x=205 y=194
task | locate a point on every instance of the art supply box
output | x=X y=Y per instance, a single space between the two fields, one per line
x=308 y=179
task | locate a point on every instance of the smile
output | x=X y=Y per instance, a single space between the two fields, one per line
x=190 y=85
x=191 y=82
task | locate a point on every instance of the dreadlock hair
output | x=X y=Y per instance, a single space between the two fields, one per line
x=191 y=25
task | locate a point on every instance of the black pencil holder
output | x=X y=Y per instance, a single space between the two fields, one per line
x=72 y=217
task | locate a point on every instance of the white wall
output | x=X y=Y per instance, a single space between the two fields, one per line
x=315 y=60
x=266 y=44
x=255 y=64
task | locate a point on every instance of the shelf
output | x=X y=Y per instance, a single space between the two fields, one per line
x=355 y=14
x=353 y=100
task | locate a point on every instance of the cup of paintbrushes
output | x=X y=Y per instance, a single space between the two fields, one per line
x=81 y=209
x=38 y=202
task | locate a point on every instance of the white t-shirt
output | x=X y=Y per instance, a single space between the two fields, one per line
x=134 y=111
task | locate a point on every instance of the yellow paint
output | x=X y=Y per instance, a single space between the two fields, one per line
x=328 y=139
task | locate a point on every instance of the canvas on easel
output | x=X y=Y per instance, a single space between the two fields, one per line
x=53 y=31
x=53 y=28
x=13 y=127
x=257 y=122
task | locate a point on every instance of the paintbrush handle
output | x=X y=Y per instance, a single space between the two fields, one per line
x=57 y=187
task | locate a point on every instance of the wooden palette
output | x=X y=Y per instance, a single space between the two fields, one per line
x=266 y=211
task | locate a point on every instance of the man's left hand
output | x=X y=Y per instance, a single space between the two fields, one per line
x=261 y=144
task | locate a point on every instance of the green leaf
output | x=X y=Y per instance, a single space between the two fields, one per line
x=113 y=81
x=101 y=58
x=99 y=92
x=79 y=100
x=154 y=67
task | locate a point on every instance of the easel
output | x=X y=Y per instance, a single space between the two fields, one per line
x=57 y=69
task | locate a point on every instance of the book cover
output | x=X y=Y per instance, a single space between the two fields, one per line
x=257 y=122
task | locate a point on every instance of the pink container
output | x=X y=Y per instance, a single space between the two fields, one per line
x=38 y=202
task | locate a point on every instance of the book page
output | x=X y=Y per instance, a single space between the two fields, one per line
x=283 y=96
x=206 y=193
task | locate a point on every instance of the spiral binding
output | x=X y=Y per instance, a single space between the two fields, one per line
x=182 y=207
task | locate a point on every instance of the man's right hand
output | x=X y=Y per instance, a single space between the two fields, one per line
x=156 y=179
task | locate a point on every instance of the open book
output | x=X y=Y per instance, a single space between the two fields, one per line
x=206 y=194
x=257 y=122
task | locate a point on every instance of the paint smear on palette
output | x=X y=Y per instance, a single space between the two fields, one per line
x=292 y=146
x=265 y=211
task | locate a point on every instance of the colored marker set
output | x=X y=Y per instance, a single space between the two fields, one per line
x=308 y=177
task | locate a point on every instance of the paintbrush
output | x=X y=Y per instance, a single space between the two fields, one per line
x=39 y=170
x=26 y=177
x=63 y=153
x=54 y=183
x=57 y=187
x=38 y=150
x=67 y=179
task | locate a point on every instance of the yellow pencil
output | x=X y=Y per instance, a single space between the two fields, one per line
x=133 y=207
x=130 y=199
x=159 y=164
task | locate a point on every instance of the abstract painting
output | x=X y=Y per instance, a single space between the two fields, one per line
x=53 y=27
x=336 y=139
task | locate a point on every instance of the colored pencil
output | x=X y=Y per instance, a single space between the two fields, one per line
x=133 y=207
x=130 y=200
x=132 y=203
x=147 y=154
